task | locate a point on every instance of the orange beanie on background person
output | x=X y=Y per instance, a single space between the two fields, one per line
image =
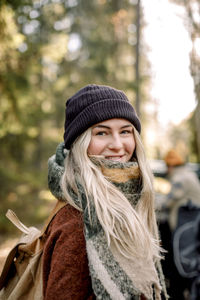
x=173 y=158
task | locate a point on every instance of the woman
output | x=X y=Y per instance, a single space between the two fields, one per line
x=104 y=243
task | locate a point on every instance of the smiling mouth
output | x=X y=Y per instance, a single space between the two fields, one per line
x=115 y=158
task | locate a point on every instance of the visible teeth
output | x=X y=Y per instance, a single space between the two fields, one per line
x=114 y=157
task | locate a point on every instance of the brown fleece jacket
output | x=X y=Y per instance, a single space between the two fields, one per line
x=65 y=265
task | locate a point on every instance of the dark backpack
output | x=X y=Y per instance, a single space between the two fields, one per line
x=186 y=241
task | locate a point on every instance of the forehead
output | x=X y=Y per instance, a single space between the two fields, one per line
x=119 y=122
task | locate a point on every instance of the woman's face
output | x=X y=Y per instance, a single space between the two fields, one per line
x=113 y=139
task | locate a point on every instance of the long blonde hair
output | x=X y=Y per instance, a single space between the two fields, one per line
x=133 y=231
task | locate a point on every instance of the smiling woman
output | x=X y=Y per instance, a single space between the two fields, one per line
x=113 y=139
x=104 y=243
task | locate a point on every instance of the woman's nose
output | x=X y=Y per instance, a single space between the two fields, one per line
x=115 y=142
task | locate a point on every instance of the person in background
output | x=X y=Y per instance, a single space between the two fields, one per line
x=104 y=243
x=185 y=185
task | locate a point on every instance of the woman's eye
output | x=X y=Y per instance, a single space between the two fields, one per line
x=126 y=131
x=101 y=133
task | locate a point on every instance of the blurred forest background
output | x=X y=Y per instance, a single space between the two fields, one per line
x=48 y=50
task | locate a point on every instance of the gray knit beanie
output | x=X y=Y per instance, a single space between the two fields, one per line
x=93 y=104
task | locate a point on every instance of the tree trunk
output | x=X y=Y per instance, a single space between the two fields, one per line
x=137 y=63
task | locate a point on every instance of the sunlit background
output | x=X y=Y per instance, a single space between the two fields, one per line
x=169 y=55
x=172 y=86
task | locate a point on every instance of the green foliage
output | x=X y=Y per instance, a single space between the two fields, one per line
x=13 y=3
x=48 y=50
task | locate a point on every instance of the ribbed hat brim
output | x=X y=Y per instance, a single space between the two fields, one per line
x=98 y=112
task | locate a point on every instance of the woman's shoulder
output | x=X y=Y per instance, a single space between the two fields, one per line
x=67 y=218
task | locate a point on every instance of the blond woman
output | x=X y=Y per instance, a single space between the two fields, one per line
x=104 y=243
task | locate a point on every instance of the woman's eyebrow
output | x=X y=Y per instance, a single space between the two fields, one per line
x=107 y=127
x=101 y=126
x=128 y=125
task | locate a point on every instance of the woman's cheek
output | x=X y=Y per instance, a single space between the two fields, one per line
x=95 y=147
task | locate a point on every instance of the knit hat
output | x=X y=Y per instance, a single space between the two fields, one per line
x=93 y=104
x=173 y=158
